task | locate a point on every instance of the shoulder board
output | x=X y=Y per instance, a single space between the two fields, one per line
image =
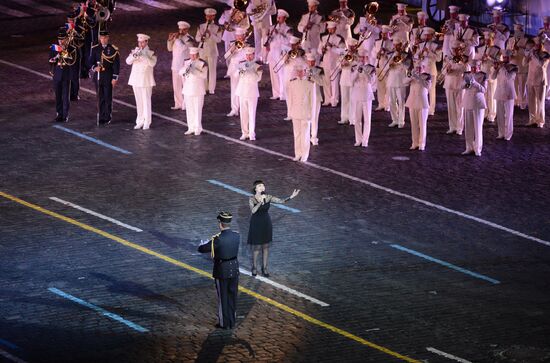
x=186 y=59
x=293 y=79
x=203 y=61
x=427 y=76
x=484 y=74
x=341 y=37
x=114 y=47
x=243 y=61
x=95 y=45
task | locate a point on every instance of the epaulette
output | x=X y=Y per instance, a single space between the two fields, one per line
x=427 y=76
x=186 y=59
x=484 y=75
x=293 y=79
x=204 y=63
x=243 y=61
x=114 y=47
x=95 y=45
x=341 y=37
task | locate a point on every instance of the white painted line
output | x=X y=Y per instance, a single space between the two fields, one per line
x=112 y=220
x=157 y=4
x=13 y=12
x=447 y=355
x=285 y=288
x=323 y=168
x=126 y=7
x=38 y=6
x=11 y=357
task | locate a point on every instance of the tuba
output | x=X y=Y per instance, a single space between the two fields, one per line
x=237 y=14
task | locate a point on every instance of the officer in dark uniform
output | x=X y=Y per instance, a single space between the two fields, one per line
x=224 y=248
x=105 y=63
x=75 y=33
x=62 y=57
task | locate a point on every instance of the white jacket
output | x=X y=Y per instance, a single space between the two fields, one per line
x=180 y=50
x=249 y=74
x=313 y=34
x=194 y=84
x=506 y=89
x=142 y=68
x=211 y=38
x=474 y=97
x=300 y=92
x=419 y=88
x=336 y=47
x=362 y=82
x=536 y=76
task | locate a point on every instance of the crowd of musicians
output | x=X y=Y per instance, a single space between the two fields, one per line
x=485 y=72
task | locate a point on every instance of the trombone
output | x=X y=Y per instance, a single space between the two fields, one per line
x=346 y=58
x=291 y=54
x=238 y=44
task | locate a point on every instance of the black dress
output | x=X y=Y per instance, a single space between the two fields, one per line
x=261 y=230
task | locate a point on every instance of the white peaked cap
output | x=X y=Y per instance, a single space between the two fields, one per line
x=331 y=24
x=312 y=2
x=386 y=29
x=310 y=56
x=240 y=31
x=249 y=50
x=453 y=9
x=281 y=12
x=401 y=6
x=462 y=17
x=183 y=25
x=210 y=11
x=193 y=50
x=421 y=14
x=294 y=40
x=142 y=37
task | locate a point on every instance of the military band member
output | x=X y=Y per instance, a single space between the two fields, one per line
x=363 y=77
x=195 y=73
x=448 y=30
x=418 y=32
x=474 y=84
x=428 y=54
x=76 y=37
x=396 y=74
x=60 y=70
x=384 y=51
x=260 y=12
x=208 y=36
x=454 y=91
x=179 y=44
x=250 y=74
x=418 y=105
x=315 y=74
x=224 y=250
x=368 y=31
x=345 y=65
x=501 y=31
x=486 y=53
x=401 y=24
x=505 y=73
x=330 y=48
x=300 y=91
x=546 y=45
x=467 y=35
x=311 y=26
x=277 y=44
x=537 y=81
x=231 y=19
x=105 y=62
x=235 y=55
x=517 y=44
x=294 y=56
x=143 y=60
x=344 y=18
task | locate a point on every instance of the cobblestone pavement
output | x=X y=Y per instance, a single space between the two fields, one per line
x=388 y=266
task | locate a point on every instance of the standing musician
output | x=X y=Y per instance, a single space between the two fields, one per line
x=448 y=30
x=368 y=31
x=195 y=72
x=427 y=54
x=75 y=35
x=505 y=73
x=500 y=30
x=86 y=19
x=451 y=75
x=295 y=56
x=546 y=45
x=276 y=43
x=179 y=44
x=250 y=74
x=300 y=91
x=401 y=24
x=208 y=36
x=105 y=62
x=61 y=57
x=517 y=44
x=363 y=76
x=344 y=18
x=233 y=18
x=418 y=32
x=418 y=104
x=330 y=48
x=311 y=25
x=345 y=63
x=235 y=55
x=383 y=49
x=315 y=74
x=224 y=250
x=537 y=81
x=488 y=53
x=474 y=84
x=260 y=12
x=467 y=35
x=396 y=73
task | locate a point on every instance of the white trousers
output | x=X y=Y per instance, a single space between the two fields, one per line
x=234 y=80
x=397 y=104
x=345 y=106
x=315 y=121
x=419 y=119
x=277 y=82
x=362 y=117
x=259 y=33
x=193 y=111
x=455 y=110
x=521 y=90
x=536 y=104
x=491 y=110
x=473 y=129
x=248 y=115
x=212 y=72
x=432 y=94
x=301 y=138
x=177 y=85
x=505 y=118
x=143 y=105
x=332 y=88
x=382 y=94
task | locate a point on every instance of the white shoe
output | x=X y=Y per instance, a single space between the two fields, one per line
x=243 y=137
x=379 y=109
x=137 y=127
x=252 y=138
x=450 y=131
x=421 y=148
x=393 y=124
x=467 y=152
x=357 y=144
x=296 y=158
x=343 y=122
x=175 y=108
x=273 y=98
x=230 y=114
x=198 y=133
x=478 y=154
x=500 y=137
x=146 y=127
x=459 y=132
x=401 y=126
x=288 y=118
x=413 y=147
x=189 y=132
x=314 y=142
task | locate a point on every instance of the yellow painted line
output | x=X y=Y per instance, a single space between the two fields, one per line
x=207 y=274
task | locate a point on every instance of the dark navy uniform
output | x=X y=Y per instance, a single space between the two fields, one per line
x=61 y=72
x=224 y=248
x=108 y=58
x=77 y=40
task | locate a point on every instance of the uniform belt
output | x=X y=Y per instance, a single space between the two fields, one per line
x=226 y=259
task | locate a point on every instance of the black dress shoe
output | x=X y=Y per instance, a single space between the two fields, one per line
x=254 y=272
x=218 y=326
x=66 y=119
x=75 y=98
x=58 y=119
x=264 y=272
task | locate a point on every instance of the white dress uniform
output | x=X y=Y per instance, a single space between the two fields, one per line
x=228 y=34
x=487 y=68
x=237 y=57
x=335 y=47
x=180 y=52
x=362 y=95
x=278 y=46
x=428 y=54
x=195 y=73
x=454 y=92
x=346 y=106
x=261 y=21
x=397 y=87
x=316 y=27
x=288 y=71
x=142 y=82
x=537 y=81
x=249 y=74
x=505 y=96
x=315 y=75
x=299 y=94
x=371 y=34
x=516 y=44
x=403 y=26
x=546 y=46
x=502 y=33
x=450 y=24
x=382 y=94
x=474 y=105
x=470 y=37
x=418 y=105
x=346 y=19
x=209 y=50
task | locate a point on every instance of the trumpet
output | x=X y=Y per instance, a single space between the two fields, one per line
x=136 y=53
